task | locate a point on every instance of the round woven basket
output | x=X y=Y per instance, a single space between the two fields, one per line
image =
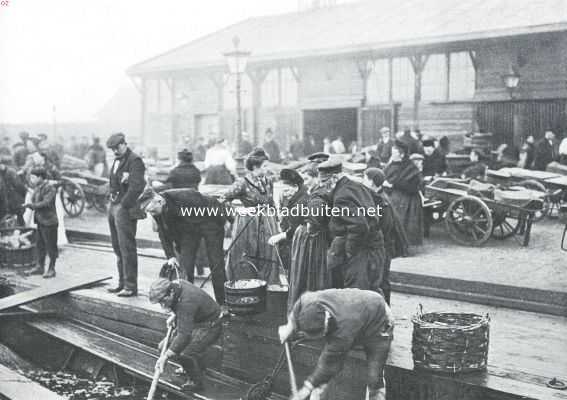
x=450 y=342
x=18 y=258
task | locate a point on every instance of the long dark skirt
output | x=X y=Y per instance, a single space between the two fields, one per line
x=252 y=247
x=410 y=211
x=308 y=271
x=218 y=175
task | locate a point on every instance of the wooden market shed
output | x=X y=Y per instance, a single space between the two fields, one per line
x=349 y=69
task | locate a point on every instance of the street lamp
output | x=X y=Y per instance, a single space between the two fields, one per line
x=511 y=81
x=236 y=60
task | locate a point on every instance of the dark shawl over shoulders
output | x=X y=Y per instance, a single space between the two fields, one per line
x=403 y=176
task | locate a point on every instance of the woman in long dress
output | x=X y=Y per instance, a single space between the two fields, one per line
x=293 y=200
x=251 y=232
x=403 y=180
x=308 y=271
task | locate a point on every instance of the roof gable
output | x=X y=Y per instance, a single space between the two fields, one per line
x=363 y=25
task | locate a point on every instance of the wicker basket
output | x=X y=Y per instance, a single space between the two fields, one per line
x=18 y=258
x=450 y=342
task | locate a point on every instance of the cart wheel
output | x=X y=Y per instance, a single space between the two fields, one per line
x=469 y=221
x=73 y=198
x=100 y=203
x=538 y=186
x=505 y=226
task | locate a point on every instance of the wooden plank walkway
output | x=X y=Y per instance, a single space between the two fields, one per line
x=49 y=288
x=15 y=386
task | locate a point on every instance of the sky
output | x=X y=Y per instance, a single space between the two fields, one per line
x=73 y=54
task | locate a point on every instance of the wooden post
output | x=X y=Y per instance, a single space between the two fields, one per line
x=297 y=75
x=365 y=67
x=143 y=95
x=418 y=63
x=173 y=121
x=257 y=77
x=448 y=76
x=217 y=77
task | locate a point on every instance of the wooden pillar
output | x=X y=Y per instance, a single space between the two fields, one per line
x=418 y=63
x=447 y=76
x=257 y=77
x=143 y=95
x=158 y=93
x=174 y=133
x=297 y=75
x=217 y=77
x=364 y=69
x=393 y=110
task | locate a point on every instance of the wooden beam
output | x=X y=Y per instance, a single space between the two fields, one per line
x=447 y=76
x=15 y=386
x=257 y=77
x=173 y=121
x=391 y=81
x=143 y=111
x=296 y=73
x=474 y=59
x=49 y=289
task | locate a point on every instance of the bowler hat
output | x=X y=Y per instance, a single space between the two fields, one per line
x=115 y=139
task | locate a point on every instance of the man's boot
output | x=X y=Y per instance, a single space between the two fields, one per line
x=37 y=270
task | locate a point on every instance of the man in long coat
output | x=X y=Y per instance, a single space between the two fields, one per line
x=357 y=249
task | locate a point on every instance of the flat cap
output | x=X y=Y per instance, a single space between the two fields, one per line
x=319 y=157
x=402 y=145
x=115 y=139
x=329 y=167
x=159 y=289
x=311 y=318
x=428 y=141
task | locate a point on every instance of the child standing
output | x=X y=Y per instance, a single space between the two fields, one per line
x=45 y=216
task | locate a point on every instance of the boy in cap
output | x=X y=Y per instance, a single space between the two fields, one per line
x=45 y=216
x=197 y=322
x=126 y=185
x=344 y=318
x=185 y=174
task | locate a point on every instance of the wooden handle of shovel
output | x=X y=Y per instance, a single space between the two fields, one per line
x=292 y=381
x=157 y=372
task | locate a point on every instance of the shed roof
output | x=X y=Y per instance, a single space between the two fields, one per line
x=365 y=25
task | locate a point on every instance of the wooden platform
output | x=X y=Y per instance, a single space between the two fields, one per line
x=526 y=349
x=15 y=386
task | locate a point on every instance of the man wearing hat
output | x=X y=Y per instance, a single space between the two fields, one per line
x=197 y=322
x=356 y=255
x=344 y=318
x=12 y=190
x=318 y=157
x=185 y=174
x=180 y=233
x=434 y=162
x=126 y=185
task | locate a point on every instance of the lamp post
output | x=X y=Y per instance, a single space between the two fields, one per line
x=236 y=60
x=511 y=81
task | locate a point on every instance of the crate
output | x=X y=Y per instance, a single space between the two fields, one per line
x=450 y=342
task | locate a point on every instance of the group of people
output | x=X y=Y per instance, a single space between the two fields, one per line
x=326 y=258
x=29 y=171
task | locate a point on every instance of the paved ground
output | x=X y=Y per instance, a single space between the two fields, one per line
x=541 y=265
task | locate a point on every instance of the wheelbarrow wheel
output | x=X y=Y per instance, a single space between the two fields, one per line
x=469 y=221
x=505 y=226
x=73 y=198
x=546 y=199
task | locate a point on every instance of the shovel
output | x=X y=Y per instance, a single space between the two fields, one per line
x=157 y=372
